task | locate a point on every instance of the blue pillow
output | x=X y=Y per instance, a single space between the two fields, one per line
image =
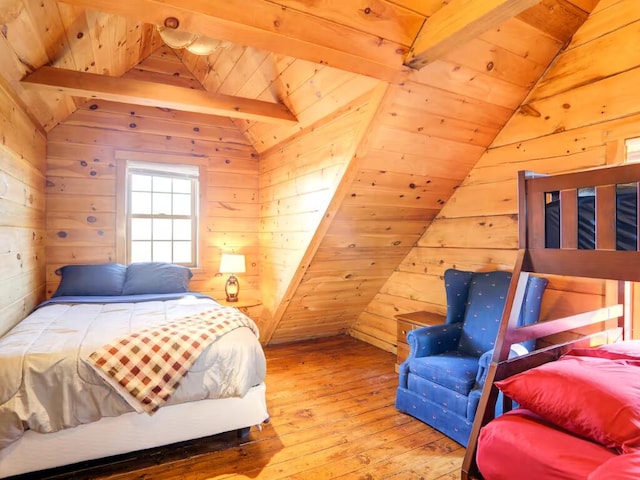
x=156 y=277
x=102 y=279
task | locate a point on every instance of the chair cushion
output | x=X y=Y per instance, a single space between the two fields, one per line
x=485 y=303
x=456 y=285
x=531 y=305
x=452 y=370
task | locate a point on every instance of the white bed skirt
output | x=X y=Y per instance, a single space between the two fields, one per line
x=133 y=431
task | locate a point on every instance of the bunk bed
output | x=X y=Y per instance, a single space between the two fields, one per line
x=548 y=436
x=58 y=406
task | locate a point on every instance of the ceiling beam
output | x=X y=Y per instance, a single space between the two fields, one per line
x=268 y=26
x=138 y=92
x=458 y=22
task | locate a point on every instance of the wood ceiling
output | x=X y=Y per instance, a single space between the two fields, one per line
x=291 y=64
x=378 y=39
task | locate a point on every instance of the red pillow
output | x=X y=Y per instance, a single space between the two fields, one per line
x=621 y=467
x=627 y=350
x=591 y=397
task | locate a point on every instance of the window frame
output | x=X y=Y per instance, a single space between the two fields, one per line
x=122 y=200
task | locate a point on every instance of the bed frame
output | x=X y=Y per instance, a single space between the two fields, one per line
x=133 y=431
x=604 y=325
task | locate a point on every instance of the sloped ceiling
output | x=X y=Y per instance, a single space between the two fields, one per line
x=475 y=62
x=376 y=39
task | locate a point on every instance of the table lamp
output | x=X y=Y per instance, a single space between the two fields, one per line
x=232 y=263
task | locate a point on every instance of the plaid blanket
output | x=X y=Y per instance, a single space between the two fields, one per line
x=146 y=367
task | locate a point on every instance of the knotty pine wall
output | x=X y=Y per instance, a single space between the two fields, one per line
x=576 y=117
x=82 y=168
x=432 y=131
x=22 y=212
x=85 y=159
x=298 y=180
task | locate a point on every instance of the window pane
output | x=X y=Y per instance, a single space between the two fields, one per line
x=182 y=204
x=182 y=252
x=162 y=252
x=140 y=229
x=633 y=149
x=140 y=251
x=180 y=185
x=141 y=183
x=140 y=203
x=161 y=204
x=182 y=229
x=162 y=229
x=161 y=184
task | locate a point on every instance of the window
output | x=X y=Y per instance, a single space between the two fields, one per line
x=632 y=150
x=162 y=213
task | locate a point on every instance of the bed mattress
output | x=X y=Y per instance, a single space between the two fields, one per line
x=522 y=445
x=42 y=360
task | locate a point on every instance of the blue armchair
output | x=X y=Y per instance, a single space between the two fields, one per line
x=441 y=381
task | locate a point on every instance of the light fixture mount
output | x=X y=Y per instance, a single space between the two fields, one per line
x=171 y=22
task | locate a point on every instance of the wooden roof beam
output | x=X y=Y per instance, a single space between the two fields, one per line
x=268 y=26
x=138 y=92
x=458 y=22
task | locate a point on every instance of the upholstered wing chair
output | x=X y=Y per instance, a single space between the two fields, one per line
x=441 y=381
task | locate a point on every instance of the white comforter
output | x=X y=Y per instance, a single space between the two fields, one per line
x=46 y=386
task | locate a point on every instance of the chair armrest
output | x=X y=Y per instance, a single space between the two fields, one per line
x=433 y=340
x=517 y=350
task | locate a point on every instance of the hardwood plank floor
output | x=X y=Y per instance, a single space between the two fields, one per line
x=332 y=411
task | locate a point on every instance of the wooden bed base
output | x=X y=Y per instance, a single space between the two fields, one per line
x=604 y=262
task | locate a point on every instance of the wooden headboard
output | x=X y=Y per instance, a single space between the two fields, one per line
x=604 y=261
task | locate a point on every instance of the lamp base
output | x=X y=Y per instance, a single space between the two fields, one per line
x=231 y=288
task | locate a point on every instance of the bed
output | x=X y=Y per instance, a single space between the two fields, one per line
x=59 y=407
x=577 y=400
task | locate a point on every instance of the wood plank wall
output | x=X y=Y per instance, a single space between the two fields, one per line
x=428 y=134
x=22 y=211
x=298 y=180
x=45 y=32
x=435 y=128
x=310 y=90
x=576 y=117
x=388 y=201
x=83 y=154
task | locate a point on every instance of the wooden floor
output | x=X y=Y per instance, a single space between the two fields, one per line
x=332 y=416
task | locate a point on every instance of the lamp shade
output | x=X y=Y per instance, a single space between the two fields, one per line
x=232 y=263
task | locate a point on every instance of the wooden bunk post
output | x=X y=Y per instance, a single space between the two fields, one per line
x=625 y=297
x=513 y=303
x=489 y=397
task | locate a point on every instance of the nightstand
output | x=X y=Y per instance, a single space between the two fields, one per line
x=411 y=321
x=243 y=304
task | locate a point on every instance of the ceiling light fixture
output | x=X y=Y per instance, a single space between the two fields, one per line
x=194 y=43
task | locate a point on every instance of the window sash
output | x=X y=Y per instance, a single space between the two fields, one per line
x=189 y=172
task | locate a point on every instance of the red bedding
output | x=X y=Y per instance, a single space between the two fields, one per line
x=521 y=445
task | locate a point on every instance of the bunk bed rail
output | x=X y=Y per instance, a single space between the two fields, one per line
x=569 y=259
